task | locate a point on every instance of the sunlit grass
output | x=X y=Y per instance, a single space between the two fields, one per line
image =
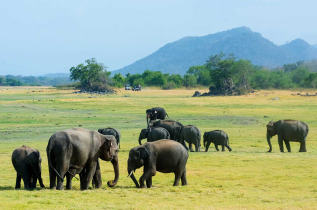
x=248 y=177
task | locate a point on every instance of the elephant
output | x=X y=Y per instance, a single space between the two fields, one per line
x=27 y=163
x=169 y=125
x=287 y=130
x=191 y=134
x=218 y=137
x=153 y=134
x=111 y=131
x=166 y=156
x=76 y=151
x=155 y=113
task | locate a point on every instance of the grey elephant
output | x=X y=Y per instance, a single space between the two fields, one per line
x=111 y=131
x=169 y=125
x=191 y=134
x=287 y=130
x=76 y=151
x=218 y=137
x=27 y=163
x=166 y=156
x=155 y=113
x=153 y=134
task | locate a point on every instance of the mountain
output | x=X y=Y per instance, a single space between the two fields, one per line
x=178 y=56
x=315 y=45
x=57 y=75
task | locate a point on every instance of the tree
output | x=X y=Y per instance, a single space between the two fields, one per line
x=242 y=71
x=92 y=76
x=202 y=74
x=189 y=81
x=118 y=80
x=221 y=75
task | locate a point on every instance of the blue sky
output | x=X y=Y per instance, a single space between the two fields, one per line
x=41 y=36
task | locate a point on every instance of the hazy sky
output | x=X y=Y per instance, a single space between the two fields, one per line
x=44 y=36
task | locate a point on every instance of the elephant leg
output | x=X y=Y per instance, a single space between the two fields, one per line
x=223 y=148
x=207 y=146
x=97 y=182
x=33 y=182
x=27 y=181
x=62 y=172
x=303 y=146
x=229 y=148
x=184 y=144
x=288 y=146
x=280 y=142
x=52 y=178
x=146 y=176
x=18 y=182
x=197 y=147
x=90 y=170
x=68 y=181
x=191 y=147
x=216 y=146
x=149 y=182
x=183 y=177
x=178 y=175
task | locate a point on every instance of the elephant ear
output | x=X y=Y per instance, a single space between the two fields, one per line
x=270 y=126
x=144 y=154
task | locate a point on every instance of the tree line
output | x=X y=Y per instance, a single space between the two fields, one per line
x=220 y=72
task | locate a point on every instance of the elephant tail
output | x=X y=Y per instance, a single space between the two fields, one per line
x=50 y=165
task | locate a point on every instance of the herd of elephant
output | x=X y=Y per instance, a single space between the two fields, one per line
x=77 y=151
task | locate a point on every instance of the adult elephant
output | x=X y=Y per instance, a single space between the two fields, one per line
x=27 y=163
x=153 y=134
x=287 y=130
x=189 y=133
x=169 y=125
x=111 y=131
x=76 y=151
x=165 y=156
x=218 y=137
x=155 y=113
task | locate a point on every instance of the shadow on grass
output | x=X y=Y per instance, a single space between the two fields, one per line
x=7 y=188
x=3 y=188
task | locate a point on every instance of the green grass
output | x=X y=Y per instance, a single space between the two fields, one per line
x=247 y=178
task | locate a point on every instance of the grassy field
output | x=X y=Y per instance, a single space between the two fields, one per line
x=247 y=177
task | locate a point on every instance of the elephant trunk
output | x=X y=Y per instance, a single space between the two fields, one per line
x=115 y=163
x=41 y=180
x=140 y=139
x=268 y=137
x=133 y=179
x=131 y=175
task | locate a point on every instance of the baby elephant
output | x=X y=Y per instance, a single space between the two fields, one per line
x=166 y=156
x=27 y=163
x=153 y=134
x=111 y=131
x=189 y=133
x=218 y=137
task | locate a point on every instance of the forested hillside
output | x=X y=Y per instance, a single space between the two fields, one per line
x=178 y=56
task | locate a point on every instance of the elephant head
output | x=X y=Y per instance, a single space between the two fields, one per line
x=109 y=152
x=143 y=134
x=271 y=131
x=177 y=132
x=137 y=157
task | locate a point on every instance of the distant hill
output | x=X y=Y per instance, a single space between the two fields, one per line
x=178 y=56
x=56 y=75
